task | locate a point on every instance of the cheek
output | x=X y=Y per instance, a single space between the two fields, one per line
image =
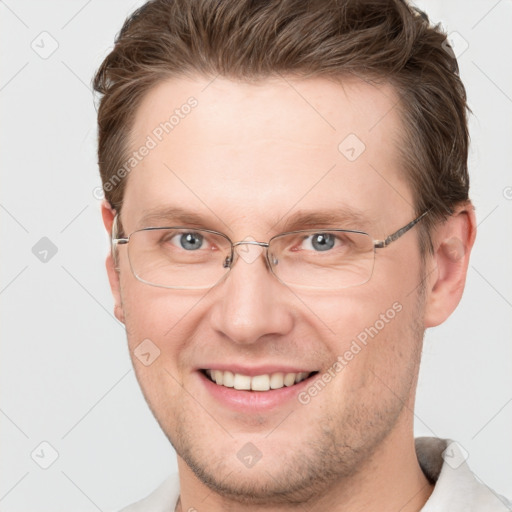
x=373 y=332
x=155 y=312
x=159 y=326
x=354 y=313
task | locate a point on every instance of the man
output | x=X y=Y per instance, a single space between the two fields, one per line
x=287 y=195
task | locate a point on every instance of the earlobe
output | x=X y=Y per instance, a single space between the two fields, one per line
x=113 y=278
x=108 y=214
x=453 y=241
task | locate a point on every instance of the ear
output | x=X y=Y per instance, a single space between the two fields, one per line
x=108 y=214
x=452 y=241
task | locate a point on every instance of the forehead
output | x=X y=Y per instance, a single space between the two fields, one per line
x=238 y=152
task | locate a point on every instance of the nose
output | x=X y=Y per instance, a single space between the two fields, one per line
x=250 y=303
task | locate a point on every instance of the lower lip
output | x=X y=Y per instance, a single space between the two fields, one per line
x=253 y=401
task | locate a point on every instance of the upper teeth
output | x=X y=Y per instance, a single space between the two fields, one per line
x=256 y=383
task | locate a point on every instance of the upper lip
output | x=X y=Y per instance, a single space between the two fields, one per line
x=257 y=370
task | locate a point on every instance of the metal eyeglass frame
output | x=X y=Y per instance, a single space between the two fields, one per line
x=377 y=244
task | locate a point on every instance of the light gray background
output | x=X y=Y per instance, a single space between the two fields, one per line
x=66 y=377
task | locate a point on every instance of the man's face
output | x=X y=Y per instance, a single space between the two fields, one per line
x=246 y=159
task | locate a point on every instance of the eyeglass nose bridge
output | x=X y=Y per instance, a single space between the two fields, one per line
x=228 y=262
x=251 y=242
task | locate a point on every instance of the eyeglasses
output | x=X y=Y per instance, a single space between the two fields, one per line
x=185 y=258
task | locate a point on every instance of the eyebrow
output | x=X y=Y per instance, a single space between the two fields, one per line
x=342 y=217
x=173 y=215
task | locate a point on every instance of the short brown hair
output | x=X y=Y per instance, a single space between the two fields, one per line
x=377 y=40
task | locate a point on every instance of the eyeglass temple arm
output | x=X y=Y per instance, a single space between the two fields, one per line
x=115 y=241
x=115 y=229
x=380 y=244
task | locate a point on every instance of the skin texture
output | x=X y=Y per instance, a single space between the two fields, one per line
x=246 y=158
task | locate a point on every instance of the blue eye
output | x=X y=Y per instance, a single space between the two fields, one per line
x=320 y=241
x=189 y=241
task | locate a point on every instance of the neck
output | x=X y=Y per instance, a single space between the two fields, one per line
x=390 y=480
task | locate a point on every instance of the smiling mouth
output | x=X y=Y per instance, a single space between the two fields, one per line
x=265 y=382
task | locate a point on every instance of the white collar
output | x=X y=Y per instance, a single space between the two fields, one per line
x=457 y=488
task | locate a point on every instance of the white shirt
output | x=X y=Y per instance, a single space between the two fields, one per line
x=456 y=489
